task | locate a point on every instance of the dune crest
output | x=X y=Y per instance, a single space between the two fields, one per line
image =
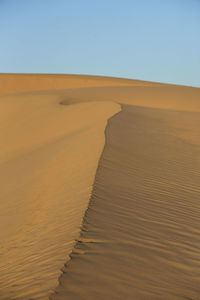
x=48 y=161
x=18 y=83
x=140 y=237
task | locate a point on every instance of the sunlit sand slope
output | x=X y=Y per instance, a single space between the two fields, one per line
x=48 y=159
x=140 y=237
x=17 y=83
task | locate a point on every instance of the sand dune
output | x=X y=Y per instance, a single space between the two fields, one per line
x=140 y=233
x=48 y=159
x=17 y=83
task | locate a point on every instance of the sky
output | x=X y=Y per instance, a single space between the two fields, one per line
x=153 y=40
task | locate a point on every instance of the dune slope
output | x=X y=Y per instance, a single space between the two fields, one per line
x=139 y=235
x=48 y=159
x=18 y=83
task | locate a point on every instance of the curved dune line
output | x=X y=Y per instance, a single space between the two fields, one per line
x=140 y=233
x=48 y=159
x=17 y=83
x=170 y=97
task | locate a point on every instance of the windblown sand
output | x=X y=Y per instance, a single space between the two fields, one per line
x=140 y=233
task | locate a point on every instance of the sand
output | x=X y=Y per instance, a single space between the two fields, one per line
x=141 y=231
x=12 y=83
x=139 y=237
x=48 y=159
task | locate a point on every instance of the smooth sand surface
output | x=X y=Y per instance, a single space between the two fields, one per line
x=139 y=237
x=17 y=83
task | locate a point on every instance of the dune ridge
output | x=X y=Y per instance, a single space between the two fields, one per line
x=52 y=133
x=48 y=160
x=140 y=235
x=17 y=83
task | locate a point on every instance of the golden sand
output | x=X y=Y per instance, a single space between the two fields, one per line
x=140 y=233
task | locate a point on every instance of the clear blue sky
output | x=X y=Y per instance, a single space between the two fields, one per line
x=157 y=40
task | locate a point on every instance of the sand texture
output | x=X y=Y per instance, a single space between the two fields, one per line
x=79 y=223
x=141 y=231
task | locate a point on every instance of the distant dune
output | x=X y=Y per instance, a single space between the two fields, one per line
x=17 y=83
x=125 y=209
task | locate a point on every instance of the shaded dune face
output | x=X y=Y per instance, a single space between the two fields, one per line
x=140 y=237
x=142 y=216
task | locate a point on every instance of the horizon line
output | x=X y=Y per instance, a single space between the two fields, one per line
x=94 y=75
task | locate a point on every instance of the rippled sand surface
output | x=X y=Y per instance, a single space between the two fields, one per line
x=140 y=238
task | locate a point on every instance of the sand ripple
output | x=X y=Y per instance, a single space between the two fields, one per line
x=145 y=209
